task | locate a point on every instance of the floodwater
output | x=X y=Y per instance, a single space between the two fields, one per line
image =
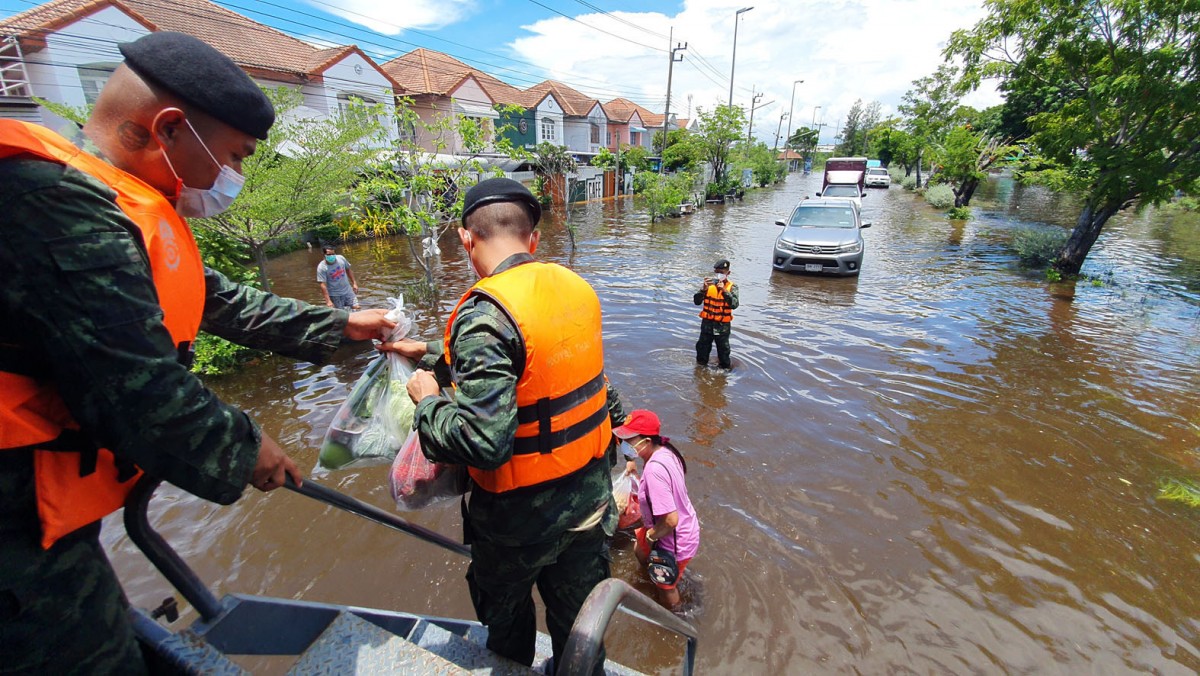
x=943 y=465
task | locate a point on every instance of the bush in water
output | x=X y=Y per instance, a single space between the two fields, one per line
x=1037 y=247
x=959 y=213
x=909 y=183
x=940 y=196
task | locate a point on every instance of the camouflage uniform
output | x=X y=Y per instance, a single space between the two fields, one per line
x=715 y=331
x=80 y=309
x=524 y=536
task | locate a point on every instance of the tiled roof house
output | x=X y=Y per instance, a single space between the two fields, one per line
x=66 y=49
x=442 y=86
x=585 y=125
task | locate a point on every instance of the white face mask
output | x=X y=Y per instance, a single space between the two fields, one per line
x=721 y=276
x=196 y=203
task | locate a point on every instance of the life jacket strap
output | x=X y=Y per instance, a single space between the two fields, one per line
x=553 y=440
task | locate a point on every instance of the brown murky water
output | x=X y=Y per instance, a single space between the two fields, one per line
x=944 y=465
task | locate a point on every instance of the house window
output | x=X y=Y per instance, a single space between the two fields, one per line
x=547 y=129
x=595 y=133
x=635 y=138
x=359 y=107
x=608 y=137
x=92 y=77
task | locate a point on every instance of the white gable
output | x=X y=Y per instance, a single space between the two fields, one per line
x=549 y=105
x=470 y=99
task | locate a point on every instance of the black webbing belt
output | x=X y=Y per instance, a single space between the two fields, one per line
x=546 y=408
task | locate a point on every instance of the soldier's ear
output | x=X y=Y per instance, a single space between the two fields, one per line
x=167 y=126
x=534 y=238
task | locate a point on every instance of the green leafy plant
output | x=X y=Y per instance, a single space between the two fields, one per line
x=909 y=183
x=1053 y=275
x=940 y=196
x=959 y=213
x=1036 y=247
x=1186 y=491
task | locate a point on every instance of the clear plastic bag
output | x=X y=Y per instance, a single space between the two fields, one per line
x=416 y=482
x=375 y=419
x=625 y=488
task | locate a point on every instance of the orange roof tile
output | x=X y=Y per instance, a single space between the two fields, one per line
x=252 y=45
x=574 y=102
x=621 y=109
x=424 y=71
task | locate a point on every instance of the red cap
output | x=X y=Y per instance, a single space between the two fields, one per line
x=639 y=423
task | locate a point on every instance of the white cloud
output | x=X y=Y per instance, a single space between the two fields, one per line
x=843 y=50
x=392 y=17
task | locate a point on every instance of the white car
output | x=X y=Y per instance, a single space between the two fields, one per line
x=878 y=177
x=846 y=191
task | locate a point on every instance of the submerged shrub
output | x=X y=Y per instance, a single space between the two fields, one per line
x=909 y=183
x=959 y=213
x=940 y=196
x=1180 y=490
x=1037 y=247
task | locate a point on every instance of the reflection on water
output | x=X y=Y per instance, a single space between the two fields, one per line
x=943 y=465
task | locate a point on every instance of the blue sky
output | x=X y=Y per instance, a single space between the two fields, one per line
x=843 y=50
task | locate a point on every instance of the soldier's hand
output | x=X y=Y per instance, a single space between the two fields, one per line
x=406 y=347
x=707 y=283
x=368 y=324
x=422 y=384
x=272 y=466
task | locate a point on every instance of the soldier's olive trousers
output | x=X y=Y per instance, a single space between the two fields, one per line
x=501 y=582
x=66 y=614
x=711 y=332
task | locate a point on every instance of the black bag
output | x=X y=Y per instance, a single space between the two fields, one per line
x=660 y=565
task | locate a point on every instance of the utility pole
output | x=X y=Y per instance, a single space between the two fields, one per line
x=733 y=62
x=754 y=100
x=667 y=110
x=778 y=129
x=791 y=107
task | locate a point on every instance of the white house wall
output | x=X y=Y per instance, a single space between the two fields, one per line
x=577 y=133
x=353 y=75
x=597 y=117
x=469 y=100
x=549 y=108
x=53 y=71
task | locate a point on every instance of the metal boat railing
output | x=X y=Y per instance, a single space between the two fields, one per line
x=583 y=645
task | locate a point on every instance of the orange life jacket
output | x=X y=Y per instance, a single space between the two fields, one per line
x=715 y=307
x=562 y=405
x=77 y=483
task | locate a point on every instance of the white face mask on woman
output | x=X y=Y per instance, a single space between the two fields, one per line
x=197 y=203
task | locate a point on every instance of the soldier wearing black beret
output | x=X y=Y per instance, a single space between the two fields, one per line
x=524 y=345
x=105 y=293
x=719 y=298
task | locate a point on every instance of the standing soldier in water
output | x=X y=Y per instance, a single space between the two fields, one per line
x=720 y=298
x=532 y=421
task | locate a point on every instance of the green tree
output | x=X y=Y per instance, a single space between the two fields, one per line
x=1126 y=120
x=302 y=171
x=663 y=193
x=419 y=195
x=965 y=157
x=634 y=159
x=554 y=163
x=716 y=133
x=762 y=162
x=927 y=108
x=683 y=152
x=604 y=160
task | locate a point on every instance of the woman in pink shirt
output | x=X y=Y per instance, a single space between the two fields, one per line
x=669 y=521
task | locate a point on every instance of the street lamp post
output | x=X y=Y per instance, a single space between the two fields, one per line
x=736 y=16
x=778 y=128
x=790 y=109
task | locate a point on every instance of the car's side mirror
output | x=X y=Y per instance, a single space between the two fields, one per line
x=780 y=222
x=865 y=225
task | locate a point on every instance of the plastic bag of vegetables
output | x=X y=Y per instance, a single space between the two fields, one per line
x=418 y=482
x=376 y=418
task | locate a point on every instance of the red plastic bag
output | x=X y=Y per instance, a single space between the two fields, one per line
x=625 y=488
x=416 y=482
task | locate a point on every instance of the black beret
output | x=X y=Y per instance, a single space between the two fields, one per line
x=721 y=265
x=203 y=77
x=500 y=190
